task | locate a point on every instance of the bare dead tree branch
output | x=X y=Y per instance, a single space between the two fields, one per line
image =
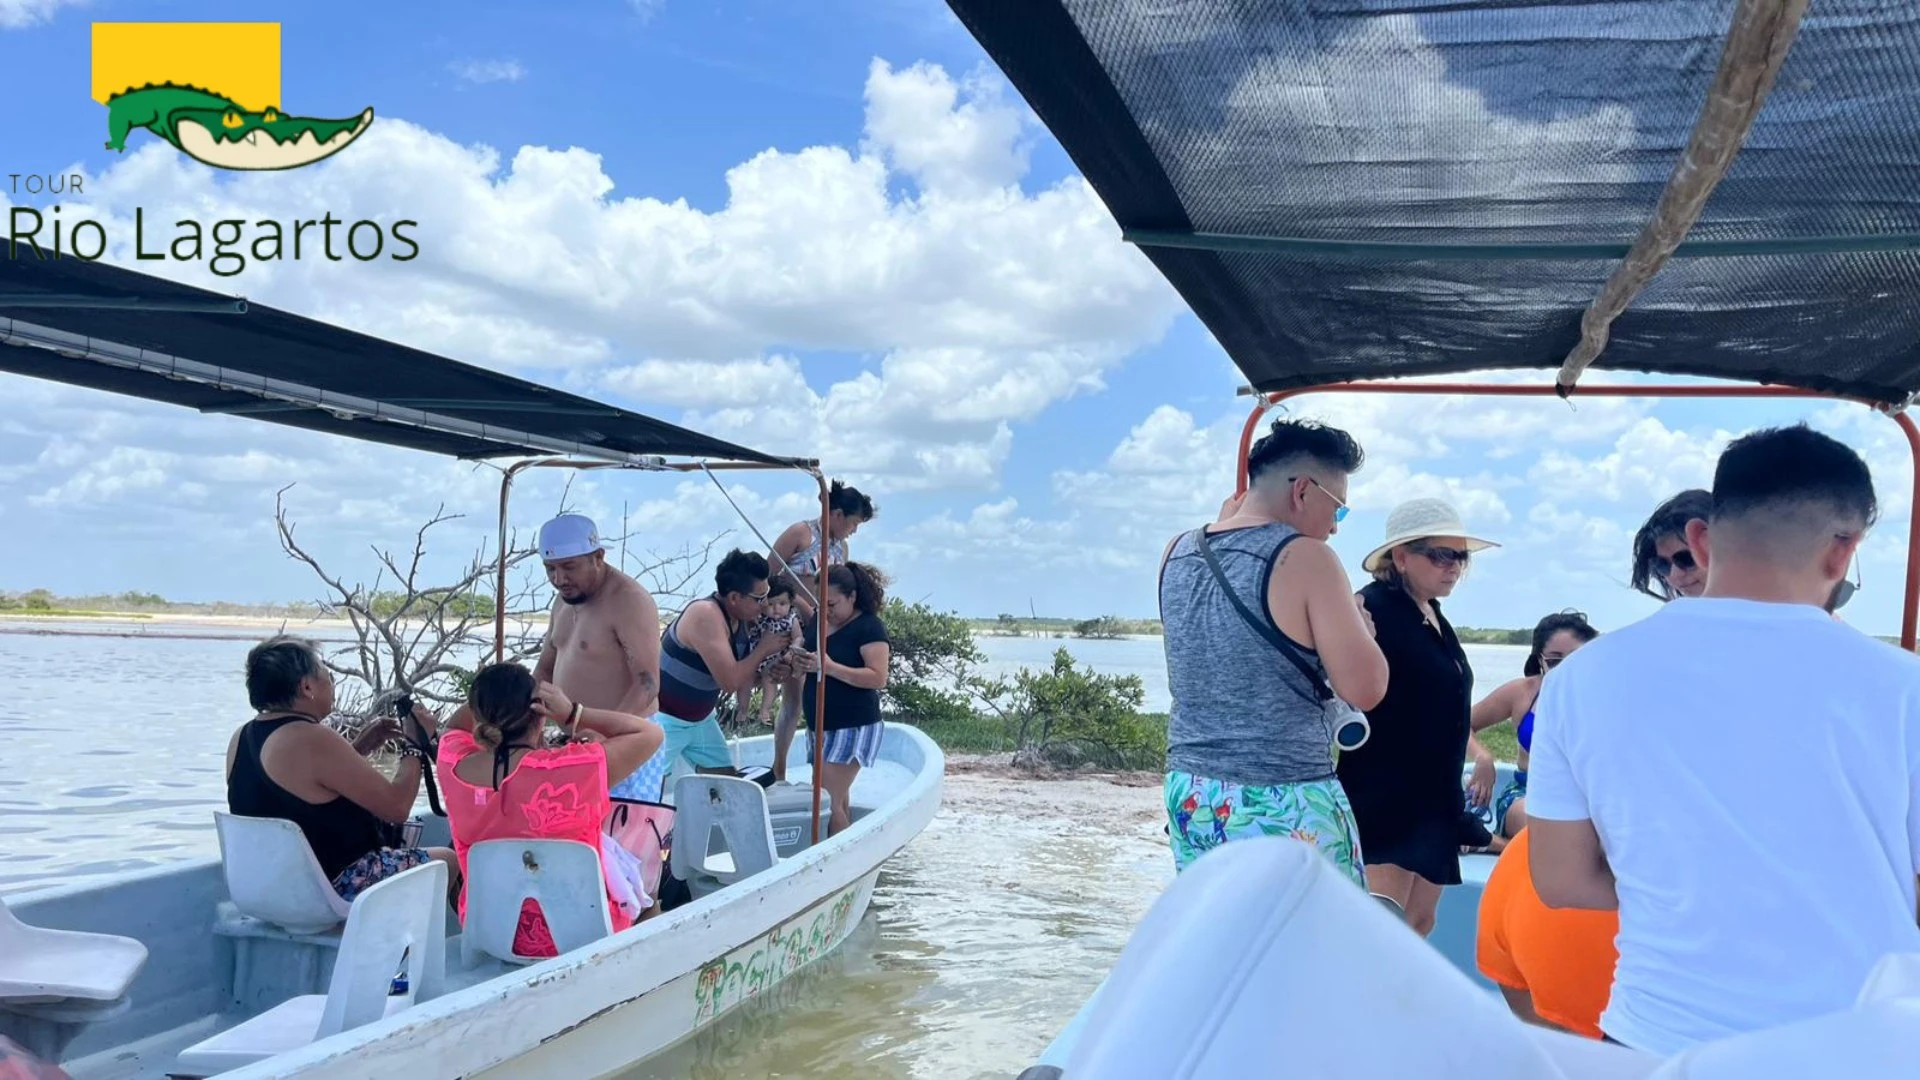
x=412 y=636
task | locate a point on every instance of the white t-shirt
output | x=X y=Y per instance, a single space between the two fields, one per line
x=1752 y=770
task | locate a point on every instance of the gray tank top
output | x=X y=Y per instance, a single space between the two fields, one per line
x=1242 y=712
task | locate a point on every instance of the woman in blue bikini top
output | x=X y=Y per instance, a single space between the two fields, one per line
x=1554 y=639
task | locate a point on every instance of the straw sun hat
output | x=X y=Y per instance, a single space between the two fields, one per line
x=1417 y=519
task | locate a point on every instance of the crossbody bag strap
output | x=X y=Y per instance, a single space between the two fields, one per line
x=1264 y=629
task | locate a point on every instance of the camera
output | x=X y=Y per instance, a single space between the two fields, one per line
x=403 y=707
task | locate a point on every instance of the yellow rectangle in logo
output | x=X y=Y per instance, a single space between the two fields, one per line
x=238 y=61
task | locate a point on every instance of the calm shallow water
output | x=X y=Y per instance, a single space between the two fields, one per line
x=985 y=934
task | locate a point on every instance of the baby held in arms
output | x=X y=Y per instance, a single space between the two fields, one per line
x=780 y=618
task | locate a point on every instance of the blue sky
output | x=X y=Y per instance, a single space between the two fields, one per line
x=825 y=229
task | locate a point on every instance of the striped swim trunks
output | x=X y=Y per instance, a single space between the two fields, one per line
x=848 y=745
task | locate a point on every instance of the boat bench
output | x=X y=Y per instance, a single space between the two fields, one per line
x=272 y=963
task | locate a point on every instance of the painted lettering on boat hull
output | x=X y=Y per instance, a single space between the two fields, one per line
x=762 y=963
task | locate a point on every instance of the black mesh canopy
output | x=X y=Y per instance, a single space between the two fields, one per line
x=108 y=328
x=1346 y=189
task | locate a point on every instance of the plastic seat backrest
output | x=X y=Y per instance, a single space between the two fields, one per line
x=562 y=876
x=1344 y=988
x=403 y=914
x=272 y=874
x=738 y=808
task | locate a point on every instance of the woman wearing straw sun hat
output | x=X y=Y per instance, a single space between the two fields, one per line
x=1404 y=782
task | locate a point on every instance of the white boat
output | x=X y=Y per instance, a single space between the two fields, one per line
x=588 y=1012
x=106 y=1011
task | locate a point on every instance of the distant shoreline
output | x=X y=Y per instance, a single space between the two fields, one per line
x=174 y=625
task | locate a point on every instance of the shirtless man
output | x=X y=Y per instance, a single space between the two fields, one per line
x=603 y=637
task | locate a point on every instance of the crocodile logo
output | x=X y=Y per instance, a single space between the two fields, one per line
x=212 y=91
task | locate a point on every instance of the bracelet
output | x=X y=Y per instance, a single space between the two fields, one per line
x=573 y=718
x=410 y=750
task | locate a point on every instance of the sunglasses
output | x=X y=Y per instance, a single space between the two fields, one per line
x=1681 y=560
x=1845 y=590
x=1339 y=508
x=1442 y=556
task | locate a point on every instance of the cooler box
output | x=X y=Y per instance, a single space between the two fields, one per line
x=787 y=807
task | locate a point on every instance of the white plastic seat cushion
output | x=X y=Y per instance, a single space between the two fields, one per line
x=272 y=874
x=402 y=915
x=41 y=965
x=1315 y=979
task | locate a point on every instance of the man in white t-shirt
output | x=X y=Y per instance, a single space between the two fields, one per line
x=1739 y=774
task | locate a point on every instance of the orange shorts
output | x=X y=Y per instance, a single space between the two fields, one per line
x=1563 y=957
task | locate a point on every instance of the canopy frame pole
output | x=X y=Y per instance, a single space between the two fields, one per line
x=1757 y=44
x=1910 y=605
x=809 y=466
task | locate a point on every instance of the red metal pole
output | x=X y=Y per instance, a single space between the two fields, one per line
x=1908 y=620
x=1910 y=607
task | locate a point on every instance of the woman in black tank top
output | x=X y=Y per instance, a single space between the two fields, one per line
x=286 y=763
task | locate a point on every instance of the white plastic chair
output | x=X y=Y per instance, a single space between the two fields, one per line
x=562 y=876
x=403 y=914
x=272 y=874
x=738 y=808
x=59 y=981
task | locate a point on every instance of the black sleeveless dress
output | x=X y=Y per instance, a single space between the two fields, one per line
x=1404 y=784
x=340 y=831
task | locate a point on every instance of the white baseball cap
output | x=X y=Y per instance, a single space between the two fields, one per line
x=569 y=536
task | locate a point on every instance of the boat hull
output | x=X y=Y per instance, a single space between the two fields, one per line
x=595 y=1011
x=649 y=1024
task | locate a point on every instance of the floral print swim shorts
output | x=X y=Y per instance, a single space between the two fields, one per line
x=1204 y=813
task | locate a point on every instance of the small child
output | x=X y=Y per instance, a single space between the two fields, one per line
x=779 y=619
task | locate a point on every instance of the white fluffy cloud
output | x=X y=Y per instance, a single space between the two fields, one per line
x=488 y=71
x=15 y=14
x=983 y=303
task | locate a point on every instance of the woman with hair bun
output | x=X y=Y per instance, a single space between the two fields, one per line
x=505 y=783
x=801 y=551
x=854 y=663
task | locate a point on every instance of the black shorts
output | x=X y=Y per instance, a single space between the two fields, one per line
x=1429 y=848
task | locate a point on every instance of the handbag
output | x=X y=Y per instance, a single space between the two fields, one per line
x=645 y=829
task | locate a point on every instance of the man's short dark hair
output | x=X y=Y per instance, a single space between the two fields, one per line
x=1289 y=442
x=275 y=668
x=1793 y=475
x=1668 y=519
x=740 y=571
